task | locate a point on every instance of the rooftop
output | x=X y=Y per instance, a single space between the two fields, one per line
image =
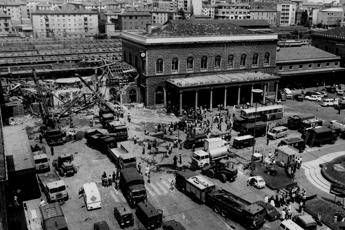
x=334 y=9
x=53 y=12
x=220 y=79
x=195 y=30
x=198 y=27
x=135 y=13
x=251 y=23
x=303 y=53
x=336 y=33
x=16 y=143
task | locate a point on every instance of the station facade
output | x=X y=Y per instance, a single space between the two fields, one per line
x=201 y=62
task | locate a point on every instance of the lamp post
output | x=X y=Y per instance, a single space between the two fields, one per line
x=255 y=92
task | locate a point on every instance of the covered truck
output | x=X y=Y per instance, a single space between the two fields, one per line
x=132 y=185
x=53 y=217
x=52 y=186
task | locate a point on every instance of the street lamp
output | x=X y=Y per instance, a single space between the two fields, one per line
x=255 y=92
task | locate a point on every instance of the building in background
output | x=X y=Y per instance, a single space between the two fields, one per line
x=328 y=17
x=133 y=20
x=232 y=11
x=197 y=7
x=272 y=16
x=15 y=9
x=287 y=11
x=6 y=27
x=161 y=16
x=57 y=24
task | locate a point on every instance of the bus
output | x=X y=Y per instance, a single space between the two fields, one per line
x=263 y=113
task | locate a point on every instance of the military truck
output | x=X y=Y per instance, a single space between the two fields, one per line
x=52 y=186
x=132 y=185
x=53 y=217
x=222 y=170
x=118 y=130
x=122 y=158
x=319 y=136
x=123 y=215
x=41 y=161
x=201 y=190
x=54 y=136
x=64 y=165
x=149 y=216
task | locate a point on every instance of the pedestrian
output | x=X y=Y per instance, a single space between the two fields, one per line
x=139 y=168
x=267 y=141
x=110 y=180
x=266 y=199
x=116 y=184
x=180 y=158
x=175 y=161
x=143 y=152
x=172 y=185
x=283 y=215
x=41 y=138
x=104 y=178
x=193 y=147
x=272 y=203
x=42 y=202
x=52 y=150
x=129 y=118
x=149 y=177
x=114 y=176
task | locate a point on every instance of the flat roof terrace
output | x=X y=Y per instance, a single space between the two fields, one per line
x=16 y=144
x=221 y=79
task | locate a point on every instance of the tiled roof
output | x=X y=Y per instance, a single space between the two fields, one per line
x=337 y=33
x=199 y=27
x=51 y=12
x=136 y=13
x=292 y=54
x=220 y=79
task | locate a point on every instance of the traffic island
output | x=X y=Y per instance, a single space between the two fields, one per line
x=275 y=181
x=334 y=171
x=330 y=213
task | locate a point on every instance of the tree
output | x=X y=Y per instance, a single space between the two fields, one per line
x=182 y=14
x=305 y=18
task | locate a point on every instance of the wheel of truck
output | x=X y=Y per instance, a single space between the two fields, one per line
x=211 y=173
x=216 y=209
x=222 y=178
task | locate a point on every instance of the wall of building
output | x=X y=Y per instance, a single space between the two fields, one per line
x=232 y=11
x=287 y=13
x=291 y=67
x=134 y=22
x=64 y=25
x=272 y=17
x=333 y=46
x=330 y=18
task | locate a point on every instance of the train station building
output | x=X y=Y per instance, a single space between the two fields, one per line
x=201 y=63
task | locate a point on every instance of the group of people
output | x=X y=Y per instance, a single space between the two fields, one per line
x=108 y=180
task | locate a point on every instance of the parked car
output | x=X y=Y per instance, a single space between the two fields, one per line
x=288 y=93
x=327 y=102
x=299 y=97
x=313 y=98
x=102 y=225
x=256 y=181
x=320 y=93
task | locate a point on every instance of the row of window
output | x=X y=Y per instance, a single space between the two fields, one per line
x=217 y=62
x=318 y=65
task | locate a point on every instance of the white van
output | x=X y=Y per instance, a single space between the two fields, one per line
x=289 y=225
x=277 y=132
x=92 y=197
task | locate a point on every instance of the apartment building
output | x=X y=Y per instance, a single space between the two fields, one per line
x=272 y=16
x=79 y=23
x=287 y=13
x=232 y=11
x=16 y=10
x=5 y=24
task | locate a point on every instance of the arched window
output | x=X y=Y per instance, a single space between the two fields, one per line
x=255 y=59
x=217 y=61
x=267 y=58
x=159 y=65
x=174 y=65
x=190 y=63
x=243 y=60
x=130 y=58
x=231 y=61
x=159 y=95
x=132 y=96
x=203 y=62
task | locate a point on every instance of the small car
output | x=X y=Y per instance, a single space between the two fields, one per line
x=256 y=181
x=327 y=102
x=313 y=98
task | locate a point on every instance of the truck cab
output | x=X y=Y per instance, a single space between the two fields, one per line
x=118 y=130
x=53 y=187
x=285 y=155
x=149 y=216
x=122 y=158
x=41 y=161
x=64 y=165
x=123 y=215
x=53 y=217
x=200 y=159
